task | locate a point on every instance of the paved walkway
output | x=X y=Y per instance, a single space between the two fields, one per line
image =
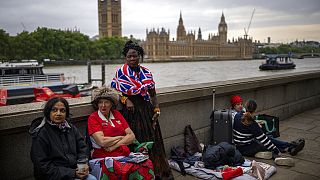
x=307 y=162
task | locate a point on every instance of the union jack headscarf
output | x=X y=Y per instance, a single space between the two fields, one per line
x=130 y=82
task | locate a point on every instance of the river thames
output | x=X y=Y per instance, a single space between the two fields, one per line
x=185 y=73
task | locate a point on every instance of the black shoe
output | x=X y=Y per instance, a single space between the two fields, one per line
x=296 y=142
x=298 y=145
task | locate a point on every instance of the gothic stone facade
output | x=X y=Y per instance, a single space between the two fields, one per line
x=158 y=46
x=109 y=15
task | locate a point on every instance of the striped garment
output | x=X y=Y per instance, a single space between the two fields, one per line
x=245 y=135
x=130 y=82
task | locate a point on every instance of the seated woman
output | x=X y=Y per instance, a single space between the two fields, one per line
x=236 y=105
x=109 y=132
x=57 y=145
x=251 y=141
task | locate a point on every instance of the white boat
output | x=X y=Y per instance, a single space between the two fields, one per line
x=20 y=79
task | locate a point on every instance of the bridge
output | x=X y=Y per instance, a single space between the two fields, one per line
x=285 y=96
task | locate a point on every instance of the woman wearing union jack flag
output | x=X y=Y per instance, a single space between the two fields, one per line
x=141 y=107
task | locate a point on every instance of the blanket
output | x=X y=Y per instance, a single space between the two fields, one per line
x=134 y=166
x=203 y=173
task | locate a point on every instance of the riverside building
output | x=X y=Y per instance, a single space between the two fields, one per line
x=158 y=46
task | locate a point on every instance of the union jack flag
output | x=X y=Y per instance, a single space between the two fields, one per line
x=130 y=82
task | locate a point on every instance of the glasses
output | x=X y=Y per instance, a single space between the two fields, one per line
x=55 y=110
x=132 y=56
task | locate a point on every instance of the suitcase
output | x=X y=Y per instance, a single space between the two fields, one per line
x=221 y=126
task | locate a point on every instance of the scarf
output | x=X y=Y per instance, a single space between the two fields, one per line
x=64 y=126
x=130 y=82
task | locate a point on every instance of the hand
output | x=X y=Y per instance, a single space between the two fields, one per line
x=110 y=148
x=82 y=174
x=130 y=105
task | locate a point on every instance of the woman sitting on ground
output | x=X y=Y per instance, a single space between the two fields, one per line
x=108 y=130
x=236 y=105
x=110 y=134
x=57 y=144
x=251 y=141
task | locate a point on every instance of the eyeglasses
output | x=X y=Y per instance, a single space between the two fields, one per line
x=55 y=110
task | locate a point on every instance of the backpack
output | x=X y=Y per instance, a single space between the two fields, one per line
x=191 y=141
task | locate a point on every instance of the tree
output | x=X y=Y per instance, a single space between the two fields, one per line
x=4 y=45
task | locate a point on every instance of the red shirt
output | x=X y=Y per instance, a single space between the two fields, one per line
x=114 y=126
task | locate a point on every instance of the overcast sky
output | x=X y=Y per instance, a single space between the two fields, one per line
x=282 y=20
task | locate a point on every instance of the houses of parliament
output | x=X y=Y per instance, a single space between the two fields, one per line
x=186 y=46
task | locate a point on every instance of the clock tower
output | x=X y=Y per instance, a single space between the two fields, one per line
x=109 y=16
x=223 y=29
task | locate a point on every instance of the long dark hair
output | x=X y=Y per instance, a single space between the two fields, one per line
x=132 y=45
x=49 y=105
x=251 y=107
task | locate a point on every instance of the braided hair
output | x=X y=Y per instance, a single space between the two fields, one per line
x=133 y=45
x=251 y=107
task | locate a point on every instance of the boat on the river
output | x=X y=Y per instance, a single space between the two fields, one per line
x=19 y=80
x=277 y=62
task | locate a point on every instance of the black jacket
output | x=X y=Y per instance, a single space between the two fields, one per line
x=54 y=153
x=222 y=154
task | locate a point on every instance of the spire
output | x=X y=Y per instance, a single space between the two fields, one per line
x=222 y=20
x=180 y=19
x=199 y=34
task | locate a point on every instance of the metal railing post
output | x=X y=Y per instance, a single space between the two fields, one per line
x=103 y=73
x=89 y=72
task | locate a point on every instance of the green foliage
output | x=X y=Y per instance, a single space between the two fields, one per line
x=4 y=45
x=59 y=45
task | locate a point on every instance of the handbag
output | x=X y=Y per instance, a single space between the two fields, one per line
x=270 y=124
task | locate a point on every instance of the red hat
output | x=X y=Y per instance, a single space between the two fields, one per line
x=235 y=99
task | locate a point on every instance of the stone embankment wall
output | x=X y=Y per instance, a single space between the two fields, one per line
x=279 y=95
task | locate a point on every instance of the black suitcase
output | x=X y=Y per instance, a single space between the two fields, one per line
x=221 y=126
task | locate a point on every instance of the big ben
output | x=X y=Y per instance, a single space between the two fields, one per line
x=109 y=16
x=223 y=30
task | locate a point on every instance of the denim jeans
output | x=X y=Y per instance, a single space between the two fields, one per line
x=281 y=145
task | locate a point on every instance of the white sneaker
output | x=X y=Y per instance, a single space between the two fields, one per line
x=264 y=155
x=284 y=161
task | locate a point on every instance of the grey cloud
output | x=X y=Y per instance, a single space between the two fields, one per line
x=196 y=13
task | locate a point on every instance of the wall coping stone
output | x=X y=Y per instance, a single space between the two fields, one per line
x=21 y=115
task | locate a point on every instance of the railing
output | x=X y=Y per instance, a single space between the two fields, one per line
x=30 y=79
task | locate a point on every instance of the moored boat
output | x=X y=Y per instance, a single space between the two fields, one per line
x=18 y=81
x=277 y=62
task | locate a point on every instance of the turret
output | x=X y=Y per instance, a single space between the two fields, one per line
x=199 y=34
x=181 y=32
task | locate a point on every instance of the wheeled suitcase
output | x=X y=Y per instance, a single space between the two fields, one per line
x=221 y=126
